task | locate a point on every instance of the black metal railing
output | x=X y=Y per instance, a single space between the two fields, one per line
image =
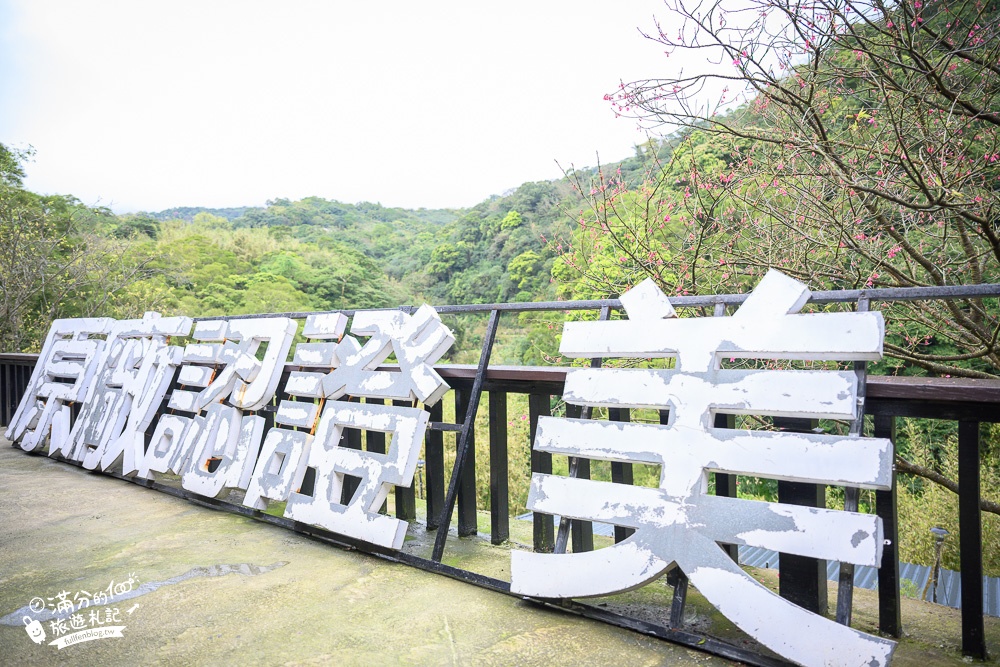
x=803 y=580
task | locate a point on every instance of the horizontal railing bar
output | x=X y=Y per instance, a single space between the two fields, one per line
x=936 y=389
x=444 y=426
x=22 y=358
x=945 y=292
x=529 y=378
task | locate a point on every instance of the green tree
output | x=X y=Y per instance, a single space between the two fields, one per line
x=524 y=268
x=865 y=152
x=53 y=263
x=12 y=166
x=512 y=220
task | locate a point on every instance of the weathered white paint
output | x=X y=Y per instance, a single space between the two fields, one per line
x=685 y=455
x=378 y=472
x=820 y=394
x=210 y=330
x=789 y=630
x=282 y=461
x=101 y=418
x=678 y=522
x=231 y=439
x=297 y=413
x=133 y=374
x=247 y=368
x=769 y=329
x=120 y=379
x=169 y=450
x=848 y=537
x=108 y=375
x=181 y=399
x=417 y=341
x=321 y=355
x=284 y=452
x=203 y=353
x=195 y=376
x=325 y=326
x=305 y=384
x=786 y=628
x=623 y=567
x=283 y=455
x=645 y=301
x=68 y=352
x=247 y=382
x=60 y=430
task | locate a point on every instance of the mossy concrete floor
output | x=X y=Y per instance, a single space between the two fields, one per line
x=284 y=599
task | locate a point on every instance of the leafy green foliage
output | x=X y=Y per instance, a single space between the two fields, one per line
x=57 y=259
x=864 y=155
x=501 y=249
x=11 y=166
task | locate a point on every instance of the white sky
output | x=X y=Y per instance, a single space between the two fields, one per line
x=143 y=105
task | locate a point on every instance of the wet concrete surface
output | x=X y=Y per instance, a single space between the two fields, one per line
x=212 y=588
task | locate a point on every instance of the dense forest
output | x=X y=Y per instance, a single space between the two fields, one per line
x=868 y=156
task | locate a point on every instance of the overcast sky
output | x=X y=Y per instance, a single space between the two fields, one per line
x=143 y=105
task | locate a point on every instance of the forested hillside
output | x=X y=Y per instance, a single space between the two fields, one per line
x=66 y=259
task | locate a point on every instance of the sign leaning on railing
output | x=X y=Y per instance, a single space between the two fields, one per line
x=122 y=380
x=120 y=371
x=679 y=523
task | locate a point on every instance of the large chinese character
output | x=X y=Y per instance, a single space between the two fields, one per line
x=285 y=450
x=64 y=372
x=134 y=370
x=221 y=445
x=417 y=342
x=679 y=523
x=216 y=448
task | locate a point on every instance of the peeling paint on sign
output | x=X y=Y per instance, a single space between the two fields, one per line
x=69 y=353
x=378 y=473
x=417 y=340
x=679 y=523
x=119 y=373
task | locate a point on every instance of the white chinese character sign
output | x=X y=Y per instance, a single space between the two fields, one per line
x=119 y=380
x=218 y=446
x=119 y=373
x=417 y=342
x=212 y=436
x=64 y=372
x=679 y=523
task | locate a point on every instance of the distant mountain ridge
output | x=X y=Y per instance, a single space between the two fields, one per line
x=187 y=213
x=333 y=210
